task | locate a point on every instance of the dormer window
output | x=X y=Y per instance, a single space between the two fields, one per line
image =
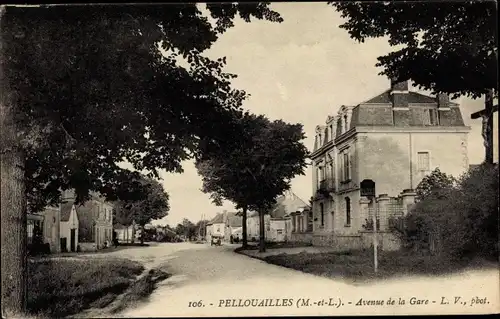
x=430 y=117
x=345 y=123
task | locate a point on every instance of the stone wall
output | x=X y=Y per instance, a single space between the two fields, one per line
x=87 y=247
x=306 y=238
x=339 y=242
x=364 y=240
x=385 y=241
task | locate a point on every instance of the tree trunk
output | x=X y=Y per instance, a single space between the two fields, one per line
x=244 y=234
x=13 y=200
x=132 y=240
x=262 y=232
x=488 y=127
x=142 y=234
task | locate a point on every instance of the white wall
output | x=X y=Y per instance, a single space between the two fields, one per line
x=66 y=227
x=278 y=231
x=390 y=159
x=218 y=229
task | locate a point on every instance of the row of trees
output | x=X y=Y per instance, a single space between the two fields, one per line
x=190 y=230
x=153 y=204
x=87 y=87
x=256 y=171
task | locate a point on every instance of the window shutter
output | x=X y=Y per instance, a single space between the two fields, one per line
x=349 y=158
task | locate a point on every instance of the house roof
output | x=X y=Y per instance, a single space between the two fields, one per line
x=66 y=210
x=413 y=98
x=234 y=220
x=218 y=219
x=288 y=203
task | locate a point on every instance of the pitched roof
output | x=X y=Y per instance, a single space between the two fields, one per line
x=413 y=98
x=218 y=219
x=234 y=220
x=288 y=203
x=66 y=210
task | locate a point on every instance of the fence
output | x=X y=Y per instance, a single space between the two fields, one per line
x=387 y=211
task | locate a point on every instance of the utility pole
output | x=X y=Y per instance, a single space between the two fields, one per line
x=375 y=240
x=487 y=128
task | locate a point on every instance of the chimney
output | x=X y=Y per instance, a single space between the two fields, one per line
x=443 y=100
x=68 y=195
x=399 y=93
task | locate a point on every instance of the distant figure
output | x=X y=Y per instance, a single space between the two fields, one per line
x=231 y=239
x=237 y=239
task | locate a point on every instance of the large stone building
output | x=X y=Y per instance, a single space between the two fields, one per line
x=393 y=139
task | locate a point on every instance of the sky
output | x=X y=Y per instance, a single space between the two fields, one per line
x=301 y=71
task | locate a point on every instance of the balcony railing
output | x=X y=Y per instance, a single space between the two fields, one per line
x=326 y=186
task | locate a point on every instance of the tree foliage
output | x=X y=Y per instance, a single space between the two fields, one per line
x=252 y=175
x=186 y=229
x=87 y=87
x=201 y=227
x=92 y=88
x=462 y=224
x=448 y=47
x=153 y=205
x=436 y=183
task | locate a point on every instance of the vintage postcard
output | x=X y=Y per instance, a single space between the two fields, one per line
x=249 y=159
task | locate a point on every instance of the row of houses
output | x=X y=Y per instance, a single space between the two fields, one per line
x=367 y=161
x=278 y=223
x=70 y=227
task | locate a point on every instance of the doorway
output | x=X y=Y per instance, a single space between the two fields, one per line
x=73 y=239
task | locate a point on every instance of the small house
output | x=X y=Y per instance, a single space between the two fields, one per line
x=69 y=227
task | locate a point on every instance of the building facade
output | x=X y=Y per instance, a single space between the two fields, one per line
x=44 y=228
x=278 y=224
x=95 y=219
x=392 y=140
x=69 y=227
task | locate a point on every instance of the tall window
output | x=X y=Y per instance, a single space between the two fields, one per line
x=346 y=166
x=346 y=128
x=321 y=175
x=423 y=161
x=332 y=133
x=322 y=212
x=294 y=223
x=332 y=171
x=347 y=211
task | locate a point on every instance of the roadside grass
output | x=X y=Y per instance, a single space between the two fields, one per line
x=357 y=266
x=66 y=286
x=107 y=250
x=140 y=290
